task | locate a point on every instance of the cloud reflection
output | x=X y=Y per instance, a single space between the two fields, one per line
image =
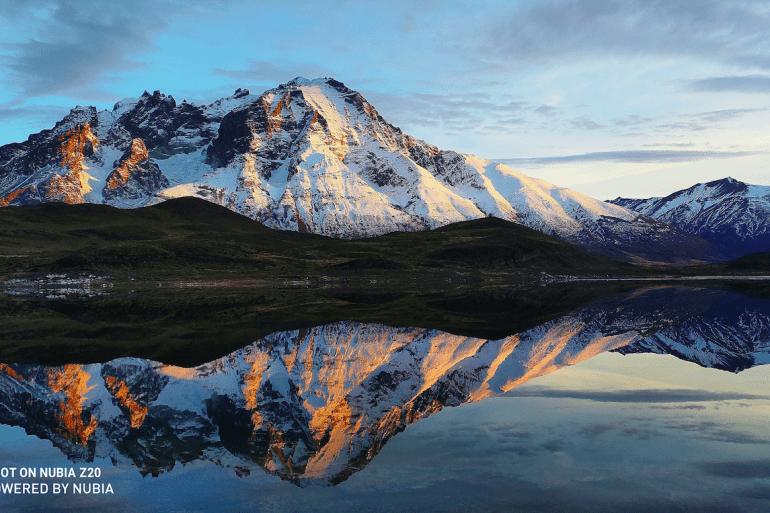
x=634 y=396
x=738 y=469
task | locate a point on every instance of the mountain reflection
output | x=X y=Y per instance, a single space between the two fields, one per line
x=317 y=405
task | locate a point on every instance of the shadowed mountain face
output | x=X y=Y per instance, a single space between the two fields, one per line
x=310 y=156
x=316 y=405
x=729 y=213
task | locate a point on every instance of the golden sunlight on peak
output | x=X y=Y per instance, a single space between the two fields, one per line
x=123 y=395
x=72 y=381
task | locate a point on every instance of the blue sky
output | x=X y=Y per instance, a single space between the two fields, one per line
x=632 y=98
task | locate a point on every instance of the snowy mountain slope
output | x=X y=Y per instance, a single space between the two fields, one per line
x=313 y=156
x=316 y=405
x=727 y=212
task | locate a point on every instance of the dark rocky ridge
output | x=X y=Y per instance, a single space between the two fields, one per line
x=157 y=119
x=135 y=175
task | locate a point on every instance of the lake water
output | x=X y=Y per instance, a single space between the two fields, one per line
x=652 y=400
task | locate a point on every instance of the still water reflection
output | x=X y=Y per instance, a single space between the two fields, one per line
x=317 y=406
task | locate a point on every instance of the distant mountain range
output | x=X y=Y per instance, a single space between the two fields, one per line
x=731 y=214
x=310 y=156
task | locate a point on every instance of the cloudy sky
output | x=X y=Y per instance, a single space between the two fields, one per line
x=631 y=98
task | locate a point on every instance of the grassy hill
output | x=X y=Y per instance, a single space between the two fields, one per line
x=194 y=239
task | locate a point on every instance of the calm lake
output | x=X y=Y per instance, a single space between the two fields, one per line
x=654 y=399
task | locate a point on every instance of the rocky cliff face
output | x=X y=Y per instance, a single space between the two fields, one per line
x=51 y=165
x=317 y=405
x=136 y=176
x=312 y=156
x=729 y=213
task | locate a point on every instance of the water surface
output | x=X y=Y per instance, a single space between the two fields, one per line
x=653 y=400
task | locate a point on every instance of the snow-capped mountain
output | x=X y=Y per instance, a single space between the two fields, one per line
x=312 y=156
x=727 y=212
x=317 y=405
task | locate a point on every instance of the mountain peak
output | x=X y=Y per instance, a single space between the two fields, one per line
x=728 y=212
x=241 y=93
x=77 y=117
x=727 y=186
x=302 y=81
x=125 y=104
x=313 y=155
x=157 y=98
x=728 y=180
